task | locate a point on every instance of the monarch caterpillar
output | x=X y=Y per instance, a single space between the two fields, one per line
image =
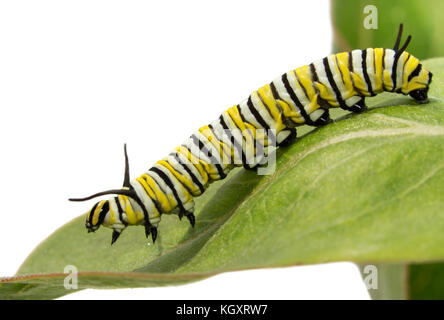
x=267 y=117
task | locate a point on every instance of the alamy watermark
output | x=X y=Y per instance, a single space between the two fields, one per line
x=253 y=148
x=370 y=277
x=71 y=280
x=371 y=20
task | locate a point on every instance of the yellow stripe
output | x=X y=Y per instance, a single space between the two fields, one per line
x=409 y=67
x=360 y=83
x=290 y=112
x=194 y=161
x=97 y=211
x=128 y=209
x=147 y=189
x=224 y=150
x=265 y=94
x=181 y=179
x=235 y=118
x=248 y=146
x=342 y=59
x=378 y=64
x=166 y=201
x=388 y=79
x=304 y=76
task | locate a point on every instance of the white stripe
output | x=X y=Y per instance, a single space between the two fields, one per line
x=388 y=63
x=262 y=110
x=282 y=92
x=221 y=137
x=177 y=185
x=400 y=70
x=291 y=76
x=214 y=152
x=115 y=211
x=163 y=188
x=370 y=70
x=236 y=133
x=322 y=75
x=357 y=66
x=178 y=167
x=190 y=166
x=146 y=200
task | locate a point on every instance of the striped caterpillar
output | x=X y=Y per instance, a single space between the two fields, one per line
x=267 y=117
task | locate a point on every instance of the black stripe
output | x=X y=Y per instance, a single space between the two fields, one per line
x=195 y=165
x=350 y=61
x=256 y=114
x=415 y=72
x=120 y=210
x=103 y=212
x=205 y=150
x=350 y=68
x=168 y=182
x=403 y=70
x=302 y=86
x=274 y=92
x=339 y=68
x=155 y=201
x=394 y=68
x=374 y=61
x=183 y=184
x=233 y=141
x=277 y=97
x=364 y=71
x=383 y=59
x=314 y=75
x=234 y=122
x=242 y=116
x=160 y=187
x=383 y=68
x=91 y=213
x=259 y=119
x=243 y=119
x=295 y=99
x=219 y=140
x=244 y=161
x=332 y=82
x=190 y=173
x=265 y=105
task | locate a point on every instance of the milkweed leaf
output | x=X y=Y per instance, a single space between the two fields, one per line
x=367 y=188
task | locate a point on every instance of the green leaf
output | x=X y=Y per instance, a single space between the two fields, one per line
x=421 y=19
x=367 y=188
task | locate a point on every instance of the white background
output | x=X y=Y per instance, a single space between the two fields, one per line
x=80 y=78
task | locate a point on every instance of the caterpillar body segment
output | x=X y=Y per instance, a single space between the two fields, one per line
x=243 y=134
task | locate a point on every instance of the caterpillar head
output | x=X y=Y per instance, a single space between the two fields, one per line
x=415 y=79
x=96 y=216
x=418 y=83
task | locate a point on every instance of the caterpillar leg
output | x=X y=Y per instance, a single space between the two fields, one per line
x=255 y=162
x=355 y=104
x=190 y=216
x=150 y=229
x=116 y=234
x=286 y=137
x=320 y=117
x=187 y=210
